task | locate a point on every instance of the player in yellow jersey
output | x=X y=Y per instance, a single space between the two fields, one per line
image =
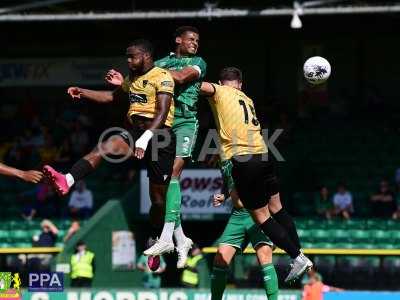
x=149 y=90
x=253 y=173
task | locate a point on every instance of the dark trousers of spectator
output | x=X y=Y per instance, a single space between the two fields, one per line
x=383 y=210
x=81 y=282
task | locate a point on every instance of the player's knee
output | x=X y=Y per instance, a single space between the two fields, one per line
x=275 y=204
x=156 y=215
x=221 y=259
x=264 y=254
x=178 y=167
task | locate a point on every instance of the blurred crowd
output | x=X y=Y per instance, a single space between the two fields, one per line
x=383 y=203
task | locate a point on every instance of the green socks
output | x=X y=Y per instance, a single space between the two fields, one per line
x=270 y=281
x=218 y=282
x=173 y=205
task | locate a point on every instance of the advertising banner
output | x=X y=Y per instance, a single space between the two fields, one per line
x=197 y=186
x=162 y=294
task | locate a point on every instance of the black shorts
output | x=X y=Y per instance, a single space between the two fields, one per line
x=158 y=158
x=255 y=180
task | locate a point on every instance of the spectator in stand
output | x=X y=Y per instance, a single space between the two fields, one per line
x=63 y=158
x=47 y=202
x=343 y=202
x=81 y=202
x=79 y=139
x=48 y=236
x=383 y=202
x=48 y=152
x=314 y=287
x=322 y=203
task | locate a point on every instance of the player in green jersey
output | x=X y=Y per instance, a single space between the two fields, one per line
x=239 y=231
x=188 y=71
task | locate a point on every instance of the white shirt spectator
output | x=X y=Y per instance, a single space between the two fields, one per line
x=343 y=201
x=82 y=199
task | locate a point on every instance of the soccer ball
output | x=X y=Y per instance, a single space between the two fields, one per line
x=316 y=70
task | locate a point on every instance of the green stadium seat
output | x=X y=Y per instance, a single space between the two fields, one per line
x=22 y=245
x=320 y=235
x=372 y=261
x=338 y=235
x=359 y=235
x=376 y=224
x=324 y=259
x=392 y=261
x=5 y=245
x=365 y=245
x=392 y=224
x=324 y=245
x=386 y=245
x=307 y=245
x=380 y=236
x=4 y=235
x=349 y=261
x=354 y=224
x=19 y=235
x=395 y=235
x=345 y=245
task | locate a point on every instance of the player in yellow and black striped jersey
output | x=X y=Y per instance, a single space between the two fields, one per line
x=253 y=173
x=149 y=91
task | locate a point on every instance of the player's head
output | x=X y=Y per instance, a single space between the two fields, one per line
x=139 y=54
x=232 y=77
x=187 y=40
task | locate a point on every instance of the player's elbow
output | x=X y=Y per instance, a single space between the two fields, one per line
x=180 y=79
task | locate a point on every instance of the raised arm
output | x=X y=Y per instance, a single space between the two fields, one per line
x=162 y=108
x=185 y=75
x=207 y=89
x=95 y=96
x=28 y=176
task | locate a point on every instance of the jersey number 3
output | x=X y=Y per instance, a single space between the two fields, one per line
x=246 y=113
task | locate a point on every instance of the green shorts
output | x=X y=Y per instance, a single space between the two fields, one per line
x=185 y=130
x=241 y=230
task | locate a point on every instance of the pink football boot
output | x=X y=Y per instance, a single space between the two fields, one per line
x=57 y=180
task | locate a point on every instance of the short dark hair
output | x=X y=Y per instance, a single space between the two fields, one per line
x=230 y=73
x=181 y=30
x=143 y=44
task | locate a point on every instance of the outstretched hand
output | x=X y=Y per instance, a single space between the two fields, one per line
x=31 y=176
x=218 y=199
x=74 y=92
x=114 y=77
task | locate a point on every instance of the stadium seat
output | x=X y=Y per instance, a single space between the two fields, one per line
x=5 y=245
x=4 y=235
x=308 y=245
x=324 y=245
x=375 y=224
x=381 y=236
x=345 y=245
x=391 y=269
x=338 y=235
x=395 y=235
x=319 y=235
x=359 y=235
x=20 y=235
